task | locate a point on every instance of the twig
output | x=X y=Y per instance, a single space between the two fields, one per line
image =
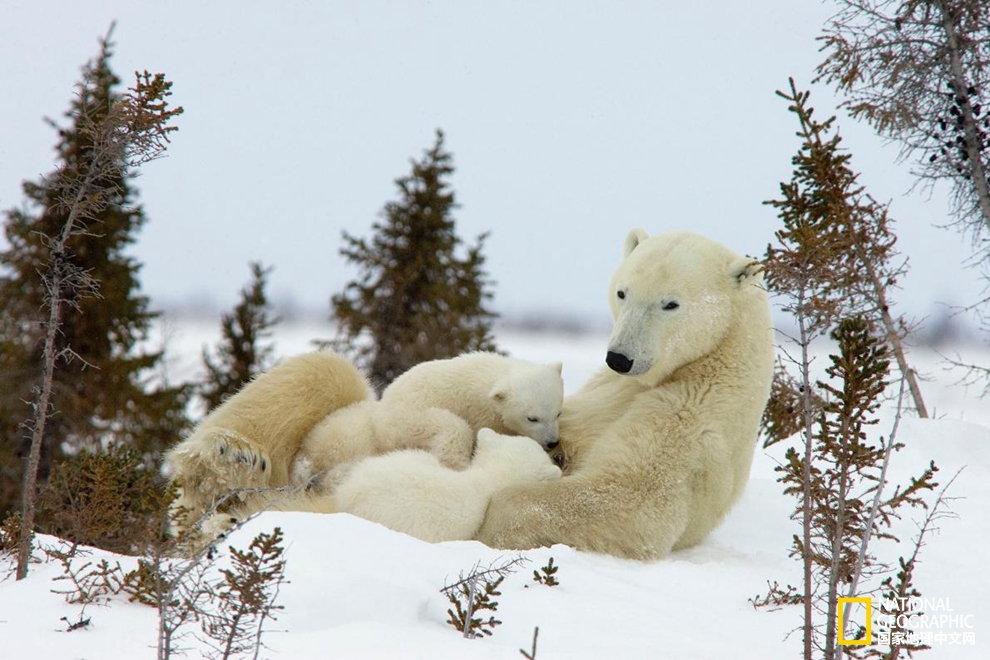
x=532 y=654
x=875 y=506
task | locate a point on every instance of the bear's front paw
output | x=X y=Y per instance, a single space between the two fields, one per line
x=217 y=526
x=218 y=454
x=233 y=448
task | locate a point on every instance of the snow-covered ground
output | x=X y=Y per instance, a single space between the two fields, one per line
x=358 y=590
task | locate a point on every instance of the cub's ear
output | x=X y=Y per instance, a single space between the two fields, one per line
x=500 y=392
x=557 y=366
x=635 y=237
x=745 y=268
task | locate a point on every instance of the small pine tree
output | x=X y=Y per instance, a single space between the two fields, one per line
x=109 y=499
x=547 y=575
x=245 y=598
x=474 y=593
x=241 y=356
x=843 y=464
x=853 y=233
x=75 y=229
x=468 y=600
x=415 y=298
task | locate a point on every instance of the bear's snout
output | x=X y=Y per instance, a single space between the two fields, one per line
x=618 y=362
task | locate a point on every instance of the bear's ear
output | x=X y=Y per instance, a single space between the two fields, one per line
x=499 y=393
x=745 y=268
x=487 y=441
x=635 y=237
x=557 y=366
x=487 y=437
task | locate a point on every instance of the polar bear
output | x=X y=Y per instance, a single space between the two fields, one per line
x=250 y=440
x=487 y=390
x=657 y=446
x=411 y=492
x=369 y=428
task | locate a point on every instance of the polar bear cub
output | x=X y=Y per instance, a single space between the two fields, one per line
x=487 y=390
x=411 y=492
x=370 y=428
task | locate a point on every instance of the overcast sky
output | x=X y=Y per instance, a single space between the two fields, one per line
x=570 y=122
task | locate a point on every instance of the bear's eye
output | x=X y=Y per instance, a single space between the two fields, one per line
x=621 y=294
x=671 y=305
x=534 y=420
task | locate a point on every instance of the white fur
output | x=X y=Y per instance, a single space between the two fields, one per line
x=411 y=492
x=655 y=458
x=487 y=390
x=370 y=428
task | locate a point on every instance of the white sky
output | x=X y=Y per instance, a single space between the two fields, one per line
x=570 y=122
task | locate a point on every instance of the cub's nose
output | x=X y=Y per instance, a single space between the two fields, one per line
x=553 y=444
x=618 y=362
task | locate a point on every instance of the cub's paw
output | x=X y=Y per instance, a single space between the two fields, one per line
x=302 y=474
x=452 y=441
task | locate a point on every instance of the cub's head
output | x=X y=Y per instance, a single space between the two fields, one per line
x=517 y=459
x=674 y=298
x=529 y=398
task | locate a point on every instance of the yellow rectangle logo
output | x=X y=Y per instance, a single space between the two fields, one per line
x=869 y=622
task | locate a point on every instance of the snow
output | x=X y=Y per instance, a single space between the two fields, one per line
x=358 y=590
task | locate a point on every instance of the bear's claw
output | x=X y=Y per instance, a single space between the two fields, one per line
x=227 y=447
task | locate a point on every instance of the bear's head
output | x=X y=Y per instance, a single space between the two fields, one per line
x=529 y=398
x=674 y=298
x=513 y=459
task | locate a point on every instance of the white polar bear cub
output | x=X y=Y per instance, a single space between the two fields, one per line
x=487 y=390
x=411 y=492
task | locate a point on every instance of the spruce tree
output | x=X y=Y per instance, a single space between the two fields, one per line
x=100 y=391
x=830 y=265
x=852 y=233
x=416 y=299
x=240 y=356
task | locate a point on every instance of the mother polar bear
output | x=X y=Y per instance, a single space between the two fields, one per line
x=657 y=446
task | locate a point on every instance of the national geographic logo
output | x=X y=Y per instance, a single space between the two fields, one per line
x=903 y=621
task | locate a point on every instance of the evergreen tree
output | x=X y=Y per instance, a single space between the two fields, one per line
x=240 y=355
x=849 y=231
x=101 y=389
x=830 y=265
x=415 y=298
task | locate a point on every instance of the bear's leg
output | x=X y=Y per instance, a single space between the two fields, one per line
x=452 y=441
x=597 y=514
x=441 y=432
x=250 y=440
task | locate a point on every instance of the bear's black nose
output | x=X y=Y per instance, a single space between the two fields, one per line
x=553 y=444
x=618 y=362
